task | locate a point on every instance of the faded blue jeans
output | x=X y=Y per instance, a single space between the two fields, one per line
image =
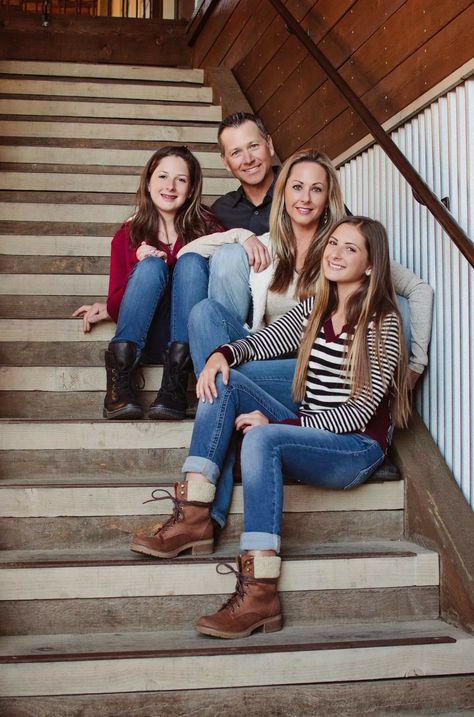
x=211 y=325
x=308 y=455
x=157 y=302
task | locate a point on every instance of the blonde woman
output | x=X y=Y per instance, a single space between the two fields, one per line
x=350 y=383
x=306 y=205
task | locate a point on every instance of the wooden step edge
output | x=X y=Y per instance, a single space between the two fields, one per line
x=104 y=71
x=214 y=650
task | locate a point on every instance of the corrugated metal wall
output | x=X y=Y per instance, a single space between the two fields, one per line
x=439 y=142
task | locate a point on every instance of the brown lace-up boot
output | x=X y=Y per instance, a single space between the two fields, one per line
x=189 y=527
x=255 y=602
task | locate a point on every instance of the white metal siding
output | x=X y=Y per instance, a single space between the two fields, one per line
x=439 y=142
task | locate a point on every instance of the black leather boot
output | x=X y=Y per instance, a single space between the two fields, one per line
x=122 y=382
x=170 y=403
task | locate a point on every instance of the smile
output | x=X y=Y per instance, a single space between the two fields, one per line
x=335 y=267
x=168 y=197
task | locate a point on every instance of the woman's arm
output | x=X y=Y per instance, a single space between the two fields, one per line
x=280 y=338
x=356 y=412
x=420 y=302
x=206 y=246
x=119 y=272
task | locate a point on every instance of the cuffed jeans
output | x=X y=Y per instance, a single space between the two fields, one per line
x=308 y=455
x=211 y=325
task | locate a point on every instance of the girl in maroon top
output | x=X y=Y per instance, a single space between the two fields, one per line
x=150 y=292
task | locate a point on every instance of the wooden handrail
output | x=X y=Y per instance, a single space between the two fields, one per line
x=417 y=183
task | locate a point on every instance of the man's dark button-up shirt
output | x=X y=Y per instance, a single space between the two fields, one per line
x=235 y=211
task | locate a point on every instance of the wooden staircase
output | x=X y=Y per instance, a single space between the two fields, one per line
x=86 y=626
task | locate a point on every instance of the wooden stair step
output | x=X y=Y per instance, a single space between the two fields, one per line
x=68 y=574
x=156 y=613
x=106 y=131
x=106 y=90
x=120 y=183
x=34 y=353
x=43 y=307
x=104 y=71
x=66 y=378
x=441 y=695
x=157 y=661
x=38 y=245
x=52 y=285
x=56 y=329
x=113 y=500
x=114 y=110
x=49 y=265
x=93 y=156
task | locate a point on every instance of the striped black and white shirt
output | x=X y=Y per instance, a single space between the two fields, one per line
x=327 y=403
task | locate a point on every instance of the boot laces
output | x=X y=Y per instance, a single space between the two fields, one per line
x=177 y=513
x=239 y=593
x=129 y=381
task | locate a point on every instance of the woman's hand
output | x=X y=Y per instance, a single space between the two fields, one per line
x=92 y=315
x=145 y=250
x=246 y=421
x=257 y=254
x=206 y=383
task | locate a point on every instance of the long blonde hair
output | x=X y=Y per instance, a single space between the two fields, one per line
x=281 y=232
x=368 y=305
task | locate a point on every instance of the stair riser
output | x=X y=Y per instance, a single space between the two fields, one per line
x=113 y=110
x=107 y=131
x=118 y=72
x=151 y=577
x=43 y=307
x=110 y=183
x=36 y=617
x=168 y=673
x=53 y=353
x=418 y=696
x=37 y=245
x=106 y=91
x=95 y=533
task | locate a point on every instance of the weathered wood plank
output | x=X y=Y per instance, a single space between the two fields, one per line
x=76 y=501
x=330 y=665
x=346 y=699
x=51 y=266
x=117 y=72
x=45 y=285
x=37 y=245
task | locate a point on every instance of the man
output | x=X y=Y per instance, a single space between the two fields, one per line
x=247 y=152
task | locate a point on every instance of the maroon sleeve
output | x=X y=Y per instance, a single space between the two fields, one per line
x=225 y=351
x=288 y=422
x=120 y=268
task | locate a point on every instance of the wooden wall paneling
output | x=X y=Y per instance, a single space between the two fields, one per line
x=338 y=44
x=232 y=29
x=261 y=52
x=212 y=29
x=256 y=27
x=435 y=60
x=303 y=71
x=93 y=39
x=286 y=58
x=325 y=103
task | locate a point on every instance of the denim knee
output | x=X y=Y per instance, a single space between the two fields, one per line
x=228 y=259
x=202 y=313
x=189 y=263
x=151 y=268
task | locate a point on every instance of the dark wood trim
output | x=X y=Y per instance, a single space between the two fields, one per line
x=439 y=517
x=417 y=183
x=198 y=20
x=212 y=650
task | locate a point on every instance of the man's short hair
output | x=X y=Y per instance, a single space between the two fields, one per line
x=236 y=120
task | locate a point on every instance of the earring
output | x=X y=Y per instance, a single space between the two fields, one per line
x=326 y=215
x=368 y=272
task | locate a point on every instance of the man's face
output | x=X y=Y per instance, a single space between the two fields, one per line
x=247 y=154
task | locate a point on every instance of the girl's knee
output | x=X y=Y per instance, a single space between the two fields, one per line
x=152 y=267
x=190 y=262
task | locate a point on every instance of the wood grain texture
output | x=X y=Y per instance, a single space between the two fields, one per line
x=439 y=516
x=346 y=699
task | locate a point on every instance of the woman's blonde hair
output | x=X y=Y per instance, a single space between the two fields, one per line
x=368 y=305
x=281 y=232
x=192 y=220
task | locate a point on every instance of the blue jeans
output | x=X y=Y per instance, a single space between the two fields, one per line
x=157 y=302
x=211 y=325
x=308 y=455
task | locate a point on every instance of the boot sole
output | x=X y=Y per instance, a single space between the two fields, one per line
x=269 y=624
x=123 y=413
x=202 y=547
x=166 y=414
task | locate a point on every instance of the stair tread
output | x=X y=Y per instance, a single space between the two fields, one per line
x=121 y=556
x=188 y=642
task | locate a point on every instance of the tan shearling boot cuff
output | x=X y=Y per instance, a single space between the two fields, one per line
x=200 y=492
x=266 y=566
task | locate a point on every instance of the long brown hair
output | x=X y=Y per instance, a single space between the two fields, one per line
x=192 y=220
x=370 y=304
x=281 y=232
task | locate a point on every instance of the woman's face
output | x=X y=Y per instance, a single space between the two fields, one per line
x=345 y=258
x=306 y=194
x=170 y=185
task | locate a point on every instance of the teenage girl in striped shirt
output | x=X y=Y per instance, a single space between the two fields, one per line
x=350 y=382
